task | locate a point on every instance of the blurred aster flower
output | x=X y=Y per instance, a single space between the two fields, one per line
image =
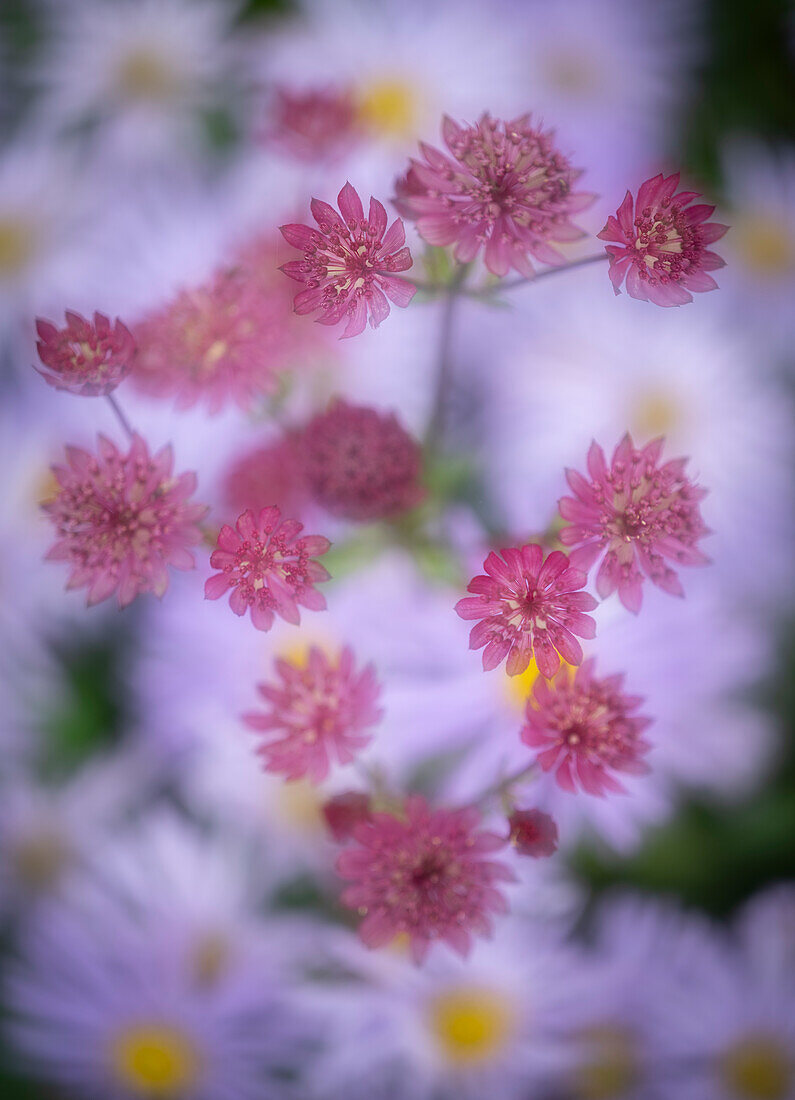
x=85 y=357
x=349 y=263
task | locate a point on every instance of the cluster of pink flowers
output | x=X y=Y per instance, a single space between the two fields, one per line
x=425 y=873
x=269 y=566
x=586 y=728
x=528 y=606
x=85 y=358
x=320 y=710
x=122 y=519
x=640 y=514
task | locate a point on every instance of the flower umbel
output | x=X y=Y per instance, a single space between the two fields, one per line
x=425 y=873
x=349 y=263
x=270 y=569
x=661 y=243
x=528 y=606
x=641 y=513
x=321 y=710
x=506 y=188
x=87 y=358
x=533 y=833
x=586 y=728
x=122 y=519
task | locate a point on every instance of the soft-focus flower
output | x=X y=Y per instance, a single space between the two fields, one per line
x=533 y=833
x=270 y=569
x=529 y=606
x=343 y=812
x=349 y=263
x=84 y=357
x=661 y=243
x=313 y=124
x=638 y=511
x=361 y=464
x=269 y=473
x=506 y=187
x=425 y=873
x=121 y=519
x=321 y=710
x=586 y=728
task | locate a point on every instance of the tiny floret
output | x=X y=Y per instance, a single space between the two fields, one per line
x=269 y=566
x=349 y=263
x=660 y=243
x=639 y=514
x=586 y=728
x=123 y=519
x=533 y=833
x=319 y=711
x=528 y=606
x=425 y=873
x=85 y=357
x=505 y=188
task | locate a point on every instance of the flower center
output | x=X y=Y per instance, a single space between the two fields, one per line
x=16 y=245
x=765 y=245
x=610 y=1068
x=145 y=74
x=39 y=859
x=655 y=412
x=155 y=1060
x=389 y=106
x=471 y=1025
x=757 y=1068
x=299 y=805
x=210 y=958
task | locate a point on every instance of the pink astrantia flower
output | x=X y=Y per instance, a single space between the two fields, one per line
x=320 y=710
x=349 y=263
x=269 y=566
x=587 y=729
x=506 y=187
x=361 y=464
x=122 y=519
x=641 y=513
x=425 y=873
x=661 y=243
x=272 y=473
x=314 y=124
x=343 y=812
x=84 y=357
x=533 y=833
x=528 y=606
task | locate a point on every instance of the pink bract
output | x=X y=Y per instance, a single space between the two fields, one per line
x=505 y=188
x=269 y=566
x=529 y=606
x=425 y=873
x=86 y=358
x=320 y=711
x=637 y=512
x=586 y=729
x=660 y=243
x=122 y=519
x=349 y=263
x=533 y=833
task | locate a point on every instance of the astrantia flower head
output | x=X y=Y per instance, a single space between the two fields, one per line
x=315 y=124
x=84 y=357
x=321 y=710
x=641 y=513
x=661 y=243
x=343 y=812
x=349 y=263
x=361 y=464
x=425 y=873
x=506 y=188
x=271 y=473
x=586 y=728
x=122 y=519
x=533 y=833
x=269 y=566
x=528 y=606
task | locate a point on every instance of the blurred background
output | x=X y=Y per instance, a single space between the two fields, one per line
x=152 y=879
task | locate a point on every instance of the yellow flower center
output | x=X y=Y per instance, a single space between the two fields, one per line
x=655 y=412
x=757 y=1068
x=210 y=958
x=764 y=244
x=155 y=1060
x=17 y=242
x=389 y=107
x=610 y=1068
x=300 y=806
x=39 y=859
x=572 y=72
x=146 y=74
x=471 y=1025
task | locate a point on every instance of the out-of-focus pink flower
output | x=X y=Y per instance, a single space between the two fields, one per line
x=269 y=566
x=320 y=710
x=349 y=263
x=313 y=124
x=361 y=464
x=641 y=513
x=272 y=473
x=661 y=243
x=533 y=833
x=84 y=357
x=528 y=606
x=122 y=519
x=425 y=873
x=343 y=812
x=506 y=188
x=587 y=729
